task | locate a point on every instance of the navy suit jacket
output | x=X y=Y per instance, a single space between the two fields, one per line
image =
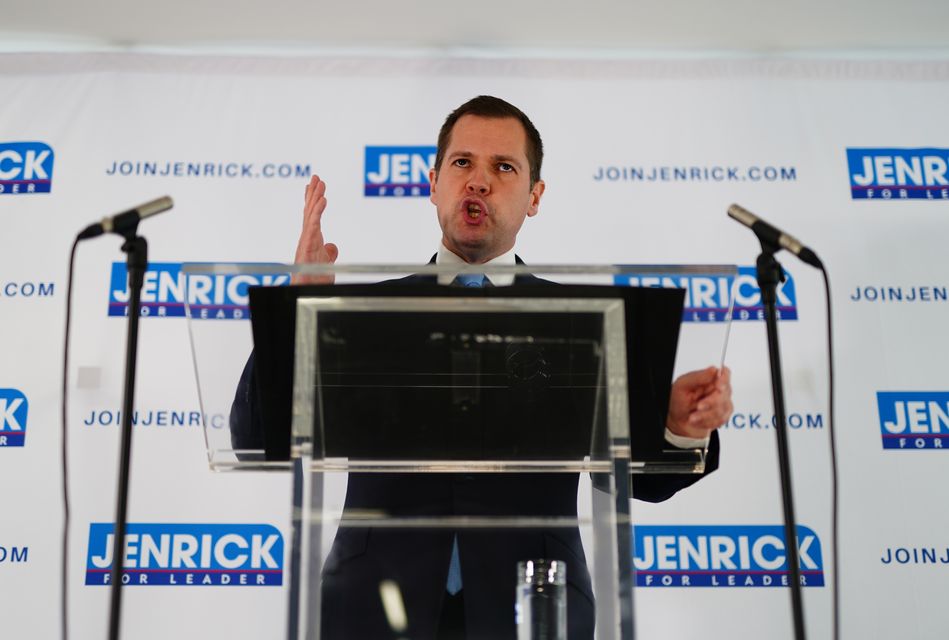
x=417 y=559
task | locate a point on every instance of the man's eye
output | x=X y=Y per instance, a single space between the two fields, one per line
x=462 y=162
x=505 y=167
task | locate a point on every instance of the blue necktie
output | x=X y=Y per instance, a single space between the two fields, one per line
x=453 y=584
x=469 y=280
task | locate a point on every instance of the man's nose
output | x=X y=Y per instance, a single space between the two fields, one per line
x=478 y=183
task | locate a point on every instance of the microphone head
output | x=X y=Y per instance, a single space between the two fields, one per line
x=157 y=205
x=742 y=215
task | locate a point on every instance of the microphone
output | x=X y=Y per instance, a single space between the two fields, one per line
x=773 y=235
x=122 y=223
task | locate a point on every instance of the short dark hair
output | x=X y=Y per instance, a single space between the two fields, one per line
x=491 y=107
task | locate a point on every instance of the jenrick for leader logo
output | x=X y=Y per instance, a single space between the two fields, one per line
x=722 y=556
x=397 y=172
x=211 y=296
x=188 y=555
x=707 y=296
x=13 y=412
x=898 y=174
x=25 y=167
x=914 y=419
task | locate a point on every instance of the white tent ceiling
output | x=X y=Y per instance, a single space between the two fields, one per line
x=598 y=26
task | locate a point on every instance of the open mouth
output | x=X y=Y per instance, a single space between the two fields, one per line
x=473 y=209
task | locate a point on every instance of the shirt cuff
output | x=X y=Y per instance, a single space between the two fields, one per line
x=682 y=442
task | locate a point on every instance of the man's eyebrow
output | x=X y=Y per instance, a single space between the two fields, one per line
x=498 y=157
x=507 y=159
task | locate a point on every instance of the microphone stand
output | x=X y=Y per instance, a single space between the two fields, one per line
x=770 y=273
x=137 y=250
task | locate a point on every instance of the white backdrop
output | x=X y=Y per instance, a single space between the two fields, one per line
x=772 y=135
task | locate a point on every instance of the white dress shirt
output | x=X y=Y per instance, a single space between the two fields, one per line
x=446 y=257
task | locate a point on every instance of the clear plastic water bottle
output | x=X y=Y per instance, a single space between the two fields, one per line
x=540 y=609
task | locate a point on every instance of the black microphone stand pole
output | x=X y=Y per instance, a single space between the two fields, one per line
x=137 y=250
x=770 y=274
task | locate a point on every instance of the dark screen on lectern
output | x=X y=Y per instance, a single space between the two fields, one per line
x=449 y=385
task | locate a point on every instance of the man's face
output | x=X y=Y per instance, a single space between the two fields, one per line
x=482 y=190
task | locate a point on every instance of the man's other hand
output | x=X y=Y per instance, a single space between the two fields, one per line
x=311 y=247
x=700 y=402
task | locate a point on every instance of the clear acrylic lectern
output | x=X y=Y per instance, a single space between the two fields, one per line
x=419 y=420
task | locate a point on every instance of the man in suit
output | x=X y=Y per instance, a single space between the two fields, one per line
x=485 y=183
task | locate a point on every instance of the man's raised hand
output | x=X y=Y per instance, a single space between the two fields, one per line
x=311 y=246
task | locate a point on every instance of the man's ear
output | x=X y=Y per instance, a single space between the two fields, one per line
x=536 y=192
x=432 y=177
